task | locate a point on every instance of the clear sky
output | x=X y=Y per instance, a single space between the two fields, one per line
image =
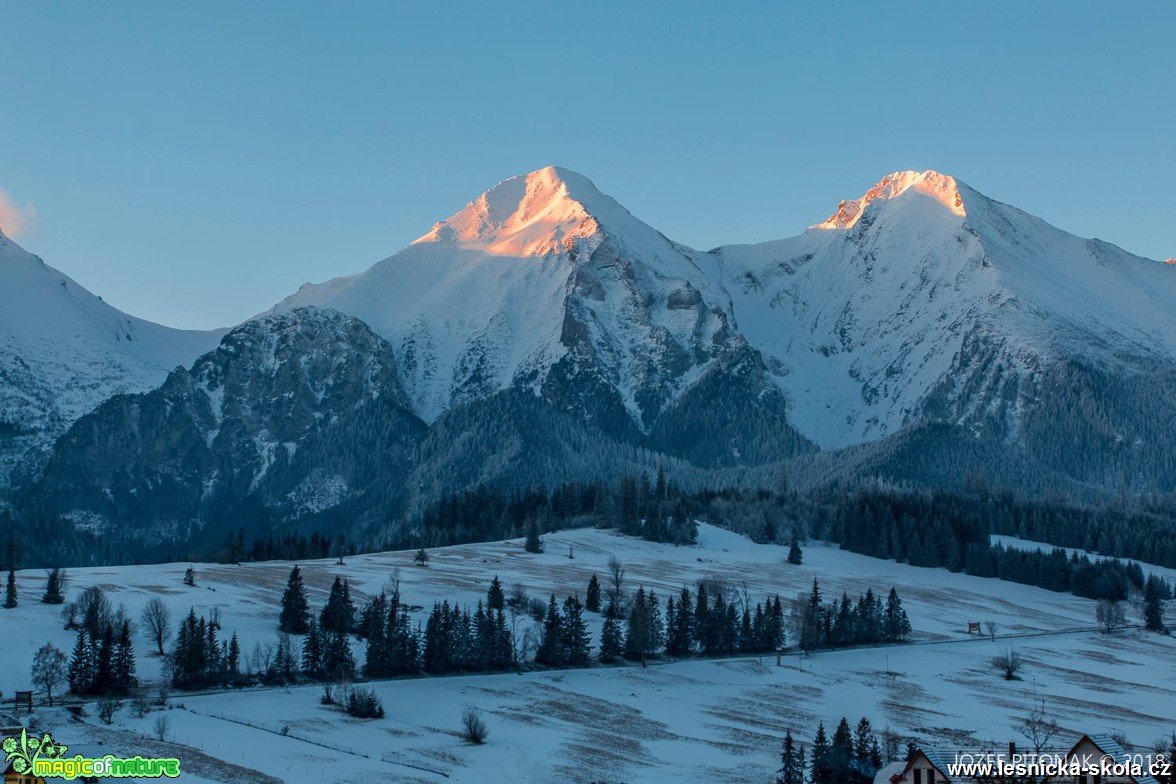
x=195 y=162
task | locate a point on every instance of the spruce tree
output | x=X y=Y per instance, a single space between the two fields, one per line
x=295 y=614
x=338 y=661
x=1153 y=604
x=312 y=652
x=638 y=636
x=437 y=655
x=495 y=597
x=592 y=598
x=123 y=677
x=821 y=772
x=10 y=591
x=611 y=645
x=338 y=614
x=792 y=762
x=233 y=660
x=657 y=623
x=55 y=587
x=840 y=757
x=403 y=641
x=865 y=746
x=378 y=656
x=503 y=643
x=81 y=665
x=483 y=631
x=701 y=627
x=898 y=626
x=551 y=645
x=104 y=668
x=574 y=633
x=681 y=628
x=795 y=554
x=533 y=544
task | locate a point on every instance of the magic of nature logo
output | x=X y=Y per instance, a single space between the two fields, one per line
x=46 y=758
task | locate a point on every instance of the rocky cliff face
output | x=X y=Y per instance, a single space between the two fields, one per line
x=62 y=352
x=294 y=419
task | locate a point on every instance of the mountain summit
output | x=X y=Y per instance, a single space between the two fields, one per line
x=545 y=284
x=923 y=334
x=925 y=301
x=535 y=214
x=940 y=188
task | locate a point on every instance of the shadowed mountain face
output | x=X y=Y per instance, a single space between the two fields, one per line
x=63 y=351
x=295 y=418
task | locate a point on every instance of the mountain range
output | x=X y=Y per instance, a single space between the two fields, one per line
x=923 y=333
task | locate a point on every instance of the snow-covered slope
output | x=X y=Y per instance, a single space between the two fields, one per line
x=547 y=284
x=924 y=285
x=717 y=721
x=63 y=351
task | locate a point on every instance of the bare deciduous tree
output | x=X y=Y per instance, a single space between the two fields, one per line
x=1038 y=727
x=49 y=669
x=991 y=628
x=518 y=598
x=157 y=621
x=1110 y=615
x=473 y=726
x=392 y=584
x=1009 y=662
x=107 y=708
x=162 y=726
x=616 y=588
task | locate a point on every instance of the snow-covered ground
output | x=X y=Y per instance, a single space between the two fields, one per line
x=716 y=720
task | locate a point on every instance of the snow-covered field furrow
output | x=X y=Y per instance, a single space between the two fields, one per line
x=718 y=720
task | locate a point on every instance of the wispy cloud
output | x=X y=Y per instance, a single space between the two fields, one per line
x=14 y=219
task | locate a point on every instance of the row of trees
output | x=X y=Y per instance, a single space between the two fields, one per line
x=851 y=756
x=845 y=622
x=703 y=624
x=103 y=660
x=952 y=530
x=712 y=620
x=201 y=659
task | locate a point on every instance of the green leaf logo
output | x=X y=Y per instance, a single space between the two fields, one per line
x=22 y=753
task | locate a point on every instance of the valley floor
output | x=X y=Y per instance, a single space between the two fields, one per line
x=712 y=720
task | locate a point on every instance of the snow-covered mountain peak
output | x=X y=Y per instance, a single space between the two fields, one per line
x=528 y=215
x=941 y=188
x=539 y=284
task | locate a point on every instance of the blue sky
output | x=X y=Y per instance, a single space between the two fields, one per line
x=194 y=163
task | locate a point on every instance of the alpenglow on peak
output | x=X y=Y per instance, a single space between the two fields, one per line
x=942 y=188
x=534 y=214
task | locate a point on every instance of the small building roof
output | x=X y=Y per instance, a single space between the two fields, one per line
x=887 y=772
x=1112 y=748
